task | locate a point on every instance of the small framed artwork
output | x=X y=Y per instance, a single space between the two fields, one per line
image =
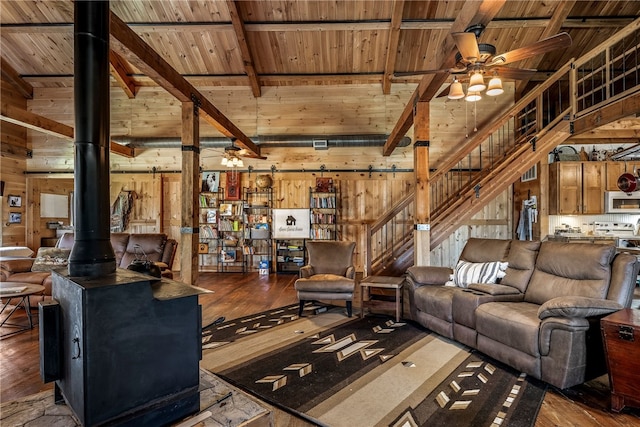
x=233 y=186
x=324 y=185
x=15 y=217
x=210 y=181
x=15 y=201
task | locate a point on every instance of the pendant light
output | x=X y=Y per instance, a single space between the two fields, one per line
x=495 y=87
x=473 y=96
x=455 y=91
x=476 y=83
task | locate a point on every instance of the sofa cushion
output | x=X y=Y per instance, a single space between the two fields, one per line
x=466 y=273
x=485 y=250
x=325 y=283
x=570 y=269
x=119 y=243
x=436 y=301
x=48 y=259
x=522 y=261
x=515 y=324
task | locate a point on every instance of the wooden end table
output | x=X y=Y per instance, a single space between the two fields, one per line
x=621 y=336
x=11 y=290
x=383 y=282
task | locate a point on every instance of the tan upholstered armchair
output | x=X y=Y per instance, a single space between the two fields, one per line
x=329 y=274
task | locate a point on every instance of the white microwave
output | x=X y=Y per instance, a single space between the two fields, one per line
x=621 y=202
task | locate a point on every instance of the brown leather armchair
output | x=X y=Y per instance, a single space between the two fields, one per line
x=329 y=274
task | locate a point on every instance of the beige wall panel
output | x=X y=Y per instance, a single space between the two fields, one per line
x=37 y=225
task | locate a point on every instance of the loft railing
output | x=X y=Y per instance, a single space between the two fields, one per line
x=606 y=74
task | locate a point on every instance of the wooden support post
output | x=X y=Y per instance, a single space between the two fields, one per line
x=189 y=227
x=422 y=239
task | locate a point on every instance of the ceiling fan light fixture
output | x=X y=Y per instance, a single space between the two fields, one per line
x=473 y=96
x=476 y=83
x=456 y=92
x=224 y=161
x=495 y=87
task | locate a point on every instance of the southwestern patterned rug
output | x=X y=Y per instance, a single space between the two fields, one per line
x=340 y=371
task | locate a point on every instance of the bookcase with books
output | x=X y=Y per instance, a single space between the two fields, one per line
x=208 y=249
x=323 y=210
x=290 y=255
x=258 y=244
x=231 y=228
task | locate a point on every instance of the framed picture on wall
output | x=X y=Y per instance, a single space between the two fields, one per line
x=210 y=181
x=15 y=217
x=15 y=201
x=232 y=186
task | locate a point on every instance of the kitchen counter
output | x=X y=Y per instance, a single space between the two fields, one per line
x=582 y=238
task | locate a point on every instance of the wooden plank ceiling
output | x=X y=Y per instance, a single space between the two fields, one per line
x=262 y=43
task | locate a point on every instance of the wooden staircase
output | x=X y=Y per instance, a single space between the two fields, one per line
x=601 y=87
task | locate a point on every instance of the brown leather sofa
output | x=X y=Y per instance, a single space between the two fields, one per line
x=542 y=317
x=157 y=247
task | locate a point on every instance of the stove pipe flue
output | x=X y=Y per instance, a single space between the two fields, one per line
x=92 y=253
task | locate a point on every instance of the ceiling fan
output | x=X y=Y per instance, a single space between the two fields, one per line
x=476 y=59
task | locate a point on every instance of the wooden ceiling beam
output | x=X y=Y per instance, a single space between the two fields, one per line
x=555 y=24
x=118 y=69
x=135 y=50
x=473 y=12
x=29 y=120
x=392 y=45
x=13 y=77
x=245 y=52
x=165 y=27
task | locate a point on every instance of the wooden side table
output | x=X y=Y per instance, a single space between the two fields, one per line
x=21 y=291
x=384 y=282
x=621 y=336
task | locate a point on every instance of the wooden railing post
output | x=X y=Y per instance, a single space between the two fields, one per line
x=366 y=232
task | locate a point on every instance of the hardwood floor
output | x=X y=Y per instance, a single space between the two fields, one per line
x=237 y=295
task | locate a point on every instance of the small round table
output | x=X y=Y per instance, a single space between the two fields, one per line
x=11 y=290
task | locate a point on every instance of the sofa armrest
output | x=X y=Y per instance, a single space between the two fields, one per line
x=581 y=307
x=494 y=289
x=306 y=271
x=570 y=324
x=351 y=272
x=426 y=275
x=16 y=265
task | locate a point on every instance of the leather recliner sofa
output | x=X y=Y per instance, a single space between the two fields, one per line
x=127 y=247
x=543 y=317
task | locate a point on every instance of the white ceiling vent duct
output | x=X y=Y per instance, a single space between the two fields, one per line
x=320 y=144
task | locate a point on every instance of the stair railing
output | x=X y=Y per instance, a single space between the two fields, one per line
x=607 y=73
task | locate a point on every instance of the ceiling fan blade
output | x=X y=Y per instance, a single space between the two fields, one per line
x=417 y=73
x=549 y=44
x=514 y=73
x=467 y=46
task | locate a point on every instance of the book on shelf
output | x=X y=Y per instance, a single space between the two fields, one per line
x=208 y=232
x=226 y=209
x=211 y=216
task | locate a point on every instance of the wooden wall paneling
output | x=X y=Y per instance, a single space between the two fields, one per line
x=37 y=225
x=12 y=171
x=171 y=210
x=147 y=200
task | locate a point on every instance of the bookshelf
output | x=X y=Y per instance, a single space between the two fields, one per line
x=323 y=213
x=258 y=244
x=208 y=249
x=231 y=227
x=290 y=255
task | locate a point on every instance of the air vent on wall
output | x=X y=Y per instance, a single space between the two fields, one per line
x=320 y=144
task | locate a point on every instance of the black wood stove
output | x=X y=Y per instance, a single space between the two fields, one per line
x=122 y=347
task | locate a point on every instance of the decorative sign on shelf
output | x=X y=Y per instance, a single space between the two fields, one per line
x=233 y=185
x=291 y=223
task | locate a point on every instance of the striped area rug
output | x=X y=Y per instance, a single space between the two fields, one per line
x=340 y=371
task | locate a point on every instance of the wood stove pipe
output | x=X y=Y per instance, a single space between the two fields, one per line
x=92 y=253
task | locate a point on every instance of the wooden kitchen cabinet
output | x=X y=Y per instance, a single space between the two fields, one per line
x=577 y=188
x=614 y=170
